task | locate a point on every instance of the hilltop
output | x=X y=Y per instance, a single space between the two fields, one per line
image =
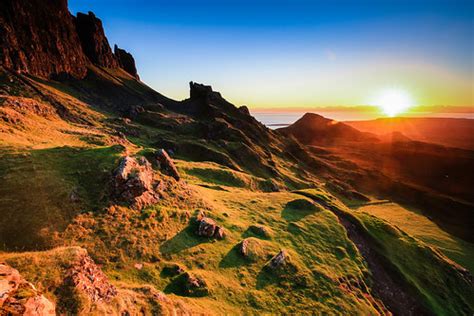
x=117 y=200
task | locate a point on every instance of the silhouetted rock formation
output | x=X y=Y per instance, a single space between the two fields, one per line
x=314 y=129
x=94 y=43
x=126 y=61
x=43 y=39
x=40 y=38
x=200 y=91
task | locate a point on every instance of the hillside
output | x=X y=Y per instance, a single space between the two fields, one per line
x=449 y=132
x=115 y=199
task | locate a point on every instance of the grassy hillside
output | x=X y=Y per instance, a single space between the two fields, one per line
x=56 y=203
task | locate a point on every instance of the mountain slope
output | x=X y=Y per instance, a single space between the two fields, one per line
x=102 y=220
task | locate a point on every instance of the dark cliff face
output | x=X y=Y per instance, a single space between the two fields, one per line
x=39 y=37
x=94 y=43
x=126 y=61
x=43 y=39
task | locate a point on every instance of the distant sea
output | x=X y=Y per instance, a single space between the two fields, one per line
x=279 y=119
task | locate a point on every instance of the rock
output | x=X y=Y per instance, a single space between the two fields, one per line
x=138 y=266
x=133 y=111
x=126 y=61
x=86 y=277
x=279 y=260
x=198 y=91
x=219 y=233
x=134 y=183
x=40 y=38
x=243 y=248
x=207 y=227
x=94 y=43
x=166 y=164
x=194 y=286
x=19 y=297
x=260 y=231
x=244 y=110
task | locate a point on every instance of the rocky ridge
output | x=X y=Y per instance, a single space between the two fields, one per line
x=65 y=51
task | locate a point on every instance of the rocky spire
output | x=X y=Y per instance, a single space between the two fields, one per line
x=94 y=43
x=126 y=61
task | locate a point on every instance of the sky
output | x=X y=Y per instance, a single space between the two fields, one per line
x=298 y=53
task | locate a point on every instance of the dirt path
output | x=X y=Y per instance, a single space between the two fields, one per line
x=386 y=285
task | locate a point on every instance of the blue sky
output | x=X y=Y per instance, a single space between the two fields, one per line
x=298 y=53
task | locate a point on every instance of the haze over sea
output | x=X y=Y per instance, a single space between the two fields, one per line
x=279 y=118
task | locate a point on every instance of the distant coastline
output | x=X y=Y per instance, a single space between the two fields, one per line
x=279 y=119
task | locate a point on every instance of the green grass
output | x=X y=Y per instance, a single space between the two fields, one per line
x=423 y=228
x=36 y=190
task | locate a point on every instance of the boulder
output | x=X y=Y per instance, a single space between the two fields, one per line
x=166 y=164
x=207 y=227
x=243 y=247
x=134 y=182
x=19 y=297
x=220 y=233
x=279 y=260
x=194 y=286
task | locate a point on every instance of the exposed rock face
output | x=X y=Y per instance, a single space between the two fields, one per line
x=19 y=297
x=134 y=182
x=126 y=61
x=94 y=43
x=40 y=38
x=208 y=228
x=89 y=279
x=243 y=247
x=166 y=164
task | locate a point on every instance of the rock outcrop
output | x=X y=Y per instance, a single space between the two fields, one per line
x=134 y=183
x=194 y=286
x=87 y=278
x=94 y=43
x=40 y=38
x=43 y=39
x=208 y=228
x=166 y=164
x=126 y=61
x=279 y=260
x=19 y=297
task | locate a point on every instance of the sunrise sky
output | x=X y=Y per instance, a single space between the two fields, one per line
x=284 y=54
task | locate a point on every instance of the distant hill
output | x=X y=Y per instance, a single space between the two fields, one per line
x=435 y=178
x=452 y=132
x=315 y=129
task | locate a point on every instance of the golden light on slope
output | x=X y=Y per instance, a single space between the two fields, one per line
x=393 y=102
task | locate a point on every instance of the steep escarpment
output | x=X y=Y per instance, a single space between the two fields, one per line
x=43 y=39
x=40 y=38
x=93 y=41
x=126 y=61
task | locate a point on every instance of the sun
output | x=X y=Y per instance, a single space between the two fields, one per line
x=393 y=102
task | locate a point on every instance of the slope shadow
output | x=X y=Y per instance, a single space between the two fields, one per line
x=183 y=240
x=233 y=259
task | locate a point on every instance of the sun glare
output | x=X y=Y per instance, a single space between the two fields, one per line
x=393 y=102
